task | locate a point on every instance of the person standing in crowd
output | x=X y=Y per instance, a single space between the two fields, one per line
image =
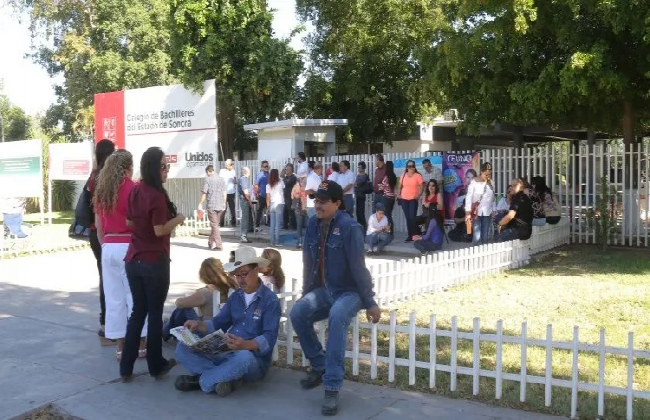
x=289 y=179
x=272 y=274
x=230 y=176
x=380 y=174
x=303 y=166
x=260 y=185
x=336 y=285
x=379 y=232
x=362 y=186
x=313 y=181
x=387 y=188
x=245 y=203
x=103 y=149
x=335 y=172
x=13 y=210
x=110 y=202
x=251 y=318
x=152 y=217
x=346 y=180
x=428 y=173
x=214 y=190
x=299 y=207
x=410 y=189
x=275 y=204
x=215 y=279
x=479 y=204
x=431 y=241
x=518 y=222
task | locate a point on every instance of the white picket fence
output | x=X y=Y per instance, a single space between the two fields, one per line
x=431 y=364
x=572 y=172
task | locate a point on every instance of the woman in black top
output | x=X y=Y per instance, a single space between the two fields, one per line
x=362 y=186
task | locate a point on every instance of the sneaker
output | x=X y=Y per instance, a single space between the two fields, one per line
x=245 y=240
x=165 y=370
x=186 y=383
x=224 y=389
x=375 y=250
x=313 y=379
x=331 y=403
x=370 y=252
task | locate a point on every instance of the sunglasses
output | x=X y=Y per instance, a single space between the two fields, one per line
x=241 y=275
x=410 y=166
x=165 y=166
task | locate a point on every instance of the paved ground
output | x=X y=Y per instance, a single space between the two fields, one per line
x=50 y=353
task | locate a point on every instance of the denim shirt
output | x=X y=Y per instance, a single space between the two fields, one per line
x=259 y=322
x=261 y=181
x=345 y=266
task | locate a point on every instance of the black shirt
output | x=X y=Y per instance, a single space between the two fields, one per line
x=289 y=182
x=523 y=220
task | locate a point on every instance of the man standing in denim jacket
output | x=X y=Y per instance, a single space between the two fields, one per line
x=336 y=285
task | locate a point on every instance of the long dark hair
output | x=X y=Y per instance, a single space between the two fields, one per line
x=435 y=183
x=103 y=149
x=415 y=167
x=436 y=215
x=539 y=185
x=390 y=174
x=150 y=173
x=274 y=177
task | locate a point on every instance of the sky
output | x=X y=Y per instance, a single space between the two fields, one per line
x=29 y=86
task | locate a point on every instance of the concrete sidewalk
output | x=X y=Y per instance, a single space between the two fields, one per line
x=51 y=354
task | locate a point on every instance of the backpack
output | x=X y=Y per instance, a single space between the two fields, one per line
x=84 y=214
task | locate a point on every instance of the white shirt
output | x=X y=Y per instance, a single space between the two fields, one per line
x=248 y=297
x=374 y=225
x=313 y=181
x=334 y=176
x=503 y=205
x=474 y=192
x=345 y=179
x=229 y=176
x=303 y=169
x=276 y=193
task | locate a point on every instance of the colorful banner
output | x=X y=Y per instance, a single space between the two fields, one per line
x=71 y=161
x=436 y=170
x=181 y=122
x=459 y=169
x=21 y=174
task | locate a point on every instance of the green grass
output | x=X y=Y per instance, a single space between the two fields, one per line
x=578 y=286
x=58 y=217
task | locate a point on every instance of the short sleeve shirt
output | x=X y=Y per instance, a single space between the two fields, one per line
x=115 y=221
x=313 y=181
x=214 y=187
x=345 y=179
x=523 y=220
x=147 y=208
x=410 y=185
x=230 y=176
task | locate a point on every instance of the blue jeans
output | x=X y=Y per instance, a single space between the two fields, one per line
x=361 y=210
x=506 y=234
x=410 y=209
x=316 y=306
x=481 y=229
x=348 y=199
x=301 y=223
x=540 y=221
x=277 y=216
x=378 y=240
x=178 y=318
x=226 y=367
x=14 y=221
x=245 y=211
x=426 y=246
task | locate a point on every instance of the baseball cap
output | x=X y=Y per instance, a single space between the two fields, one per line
x=328 y=190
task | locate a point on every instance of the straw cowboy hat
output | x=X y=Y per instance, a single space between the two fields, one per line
x=244 y=256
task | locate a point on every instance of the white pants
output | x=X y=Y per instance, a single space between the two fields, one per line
x=119 y=302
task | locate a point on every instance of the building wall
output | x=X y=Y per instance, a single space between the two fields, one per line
x=419 y=146
x=316 y=134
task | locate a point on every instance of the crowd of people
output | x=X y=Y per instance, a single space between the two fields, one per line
x=130 y=238
x=283 y=195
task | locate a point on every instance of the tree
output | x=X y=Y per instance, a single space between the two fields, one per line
x=561 y=63
x=231 y=42
x=362 y=65
x=16 y=125
x=98 y=46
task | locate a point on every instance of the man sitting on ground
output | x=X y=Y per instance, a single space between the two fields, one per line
x=251 y=318
x=518 y=222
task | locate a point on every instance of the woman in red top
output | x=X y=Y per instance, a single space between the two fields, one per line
x=103 y=150
x=110 y=202
x=152 y=217
x=432 y=202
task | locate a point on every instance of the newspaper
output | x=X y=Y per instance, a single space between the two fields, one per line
x=210 y=345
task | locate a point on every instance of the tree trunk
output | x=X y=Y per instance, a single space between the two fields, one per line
x=226 y=127
x=628 y=122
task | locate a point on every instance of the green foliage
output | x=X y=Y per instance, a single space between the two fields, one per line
x=63 y=194
x=601 y=218
x=98 y=46
x=565 y=62
x=362 y=64
x=16 y=124
x=232 y=42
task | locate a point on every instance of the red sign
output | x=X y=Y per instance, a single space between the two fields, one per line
x=109 y=117
x=171 y=159
x=76 y=167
